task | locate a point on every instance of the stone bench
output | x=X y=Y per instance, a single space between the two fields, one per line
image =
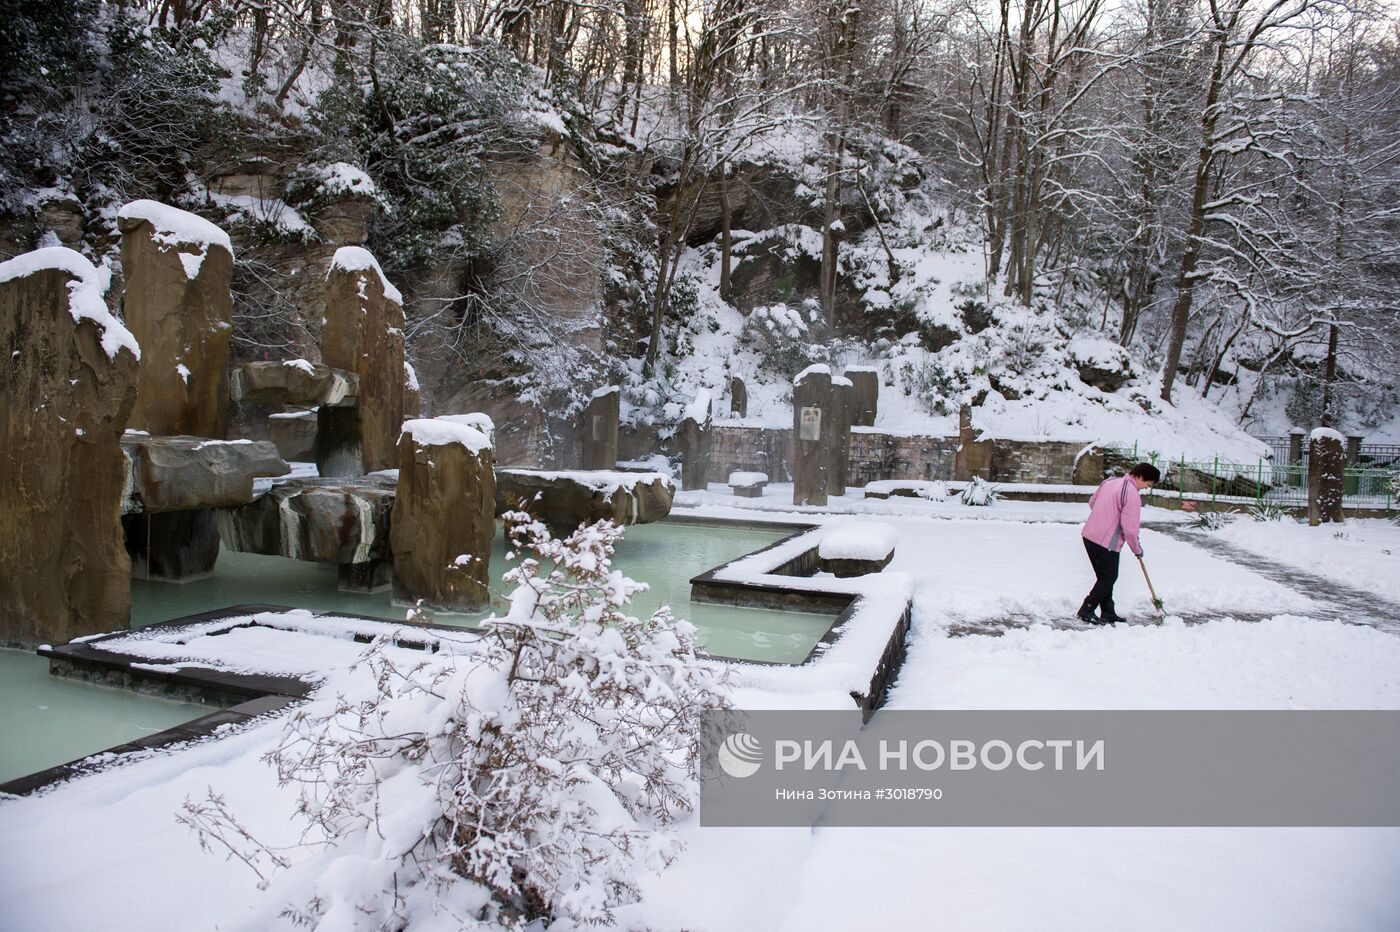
x=567 y=498
x=857 y=548
x=748 y=484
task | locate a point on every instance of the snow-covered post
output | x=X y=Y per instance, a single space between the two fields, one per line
x=811 y=429
x=865 y=394
x=362 y=333
x=840 y=447
x=600 y=418
x=444 y=512
x=177 y=302
x=66 y=391
x=695 y=442
x=1326 y=468
x=738 y=397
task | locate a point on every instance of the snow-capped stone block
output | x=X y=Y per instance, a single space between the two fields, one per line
x=178 y=305
x=363 y=334
x=339 y=521
x=695 y=442
x=446 y=470
x=293 y=382
x=857 y=548
x=1327 y=462
x=865 y=394
x=66 y=388
x=748 y=484
x=566 y=499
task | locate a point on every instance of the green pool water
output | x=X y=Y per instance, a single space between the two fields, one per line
x=665 y=556
x=48 y=720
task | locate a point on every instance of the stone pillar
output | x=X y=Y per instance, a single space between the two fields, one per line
x=600 y=429
x=412 y=394
x=1353 y=449
x=179 y=308
x=444 y=513
x=67 y=386
x=738 y=397
x=865 y=395
x=974 y=457
x=363 y=333
x=811 y=429
x=1326 y=468
x=842 y=392
x=695 y=443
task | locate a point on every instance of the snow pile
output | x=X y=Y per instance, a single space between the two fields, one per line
x=1325 y=433
x=340 y=179
x=410 y=376
x=275 y=212
x=360 y=259
x=84 y=292
x=174 y=227
x=858 y=540
x=473 y=431
x=747 y=480
x=699 y=409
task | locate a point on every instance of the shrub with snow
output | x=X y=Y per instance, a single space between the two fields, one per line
x=979 y=492
x=782 y=336
x=527 y=776
x=935 y=491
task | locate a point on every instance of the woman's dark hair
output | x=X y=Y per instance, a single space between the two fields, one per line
x=1146 y=472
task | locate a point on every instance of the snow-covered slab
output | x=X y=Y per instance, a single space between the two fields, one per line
x=858 y=540
x=567 y=498
x=745 y=480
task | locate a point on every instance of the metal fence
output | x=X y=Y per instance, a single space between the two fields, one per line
x=1266 y=481
x=1373 y=455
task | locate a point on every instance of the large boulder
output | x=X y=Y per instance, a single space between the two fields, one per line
x=184 y=473
x=1101 y=363
x=566 y=499
x=293 y=382
x=177 y=303
x=340 y=521
x=66 y=390
x=445 y=469
x=363 y=334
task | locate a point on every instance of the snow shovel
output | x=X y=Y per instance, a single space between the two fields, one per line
x=1156 y=602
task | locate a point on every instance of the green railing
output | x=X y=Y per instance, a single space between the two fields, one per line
x=1220 y=479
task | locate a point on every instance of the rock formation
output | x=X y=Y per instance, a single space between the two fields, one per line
x=840 y=445
x=600 y=429
x=738 y=397
x=445 y=472
x=66 y=391
x=178 y=305
x=564 y=500
x=293 y=382
x=865 y=395
x=363 y=334
x=695 y=442
x=811 y=430
x=172 y=531
x=340 y=521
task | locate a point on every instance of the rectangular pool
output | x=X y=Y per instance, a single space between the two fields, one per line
x=663 y=555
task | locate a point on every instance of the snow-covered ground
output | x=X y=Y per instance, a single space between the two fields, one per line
x=1363 y=553
x=105 y=851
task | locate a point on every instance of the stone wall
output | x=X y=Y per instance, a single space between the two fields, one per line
x=876 y=456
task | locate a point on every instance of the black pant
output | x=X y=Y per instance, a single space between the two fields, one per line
x=1105 y=564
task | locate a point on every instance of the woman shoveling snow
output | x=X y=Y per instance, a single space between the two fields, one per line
x=1115 y=517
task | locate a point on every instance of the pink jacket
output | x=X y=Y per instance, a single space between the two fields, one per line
x=1115 y=515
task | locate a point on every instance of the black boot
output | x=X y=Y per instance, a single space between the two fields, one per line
x=1110 y=615
x=1086 y=613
